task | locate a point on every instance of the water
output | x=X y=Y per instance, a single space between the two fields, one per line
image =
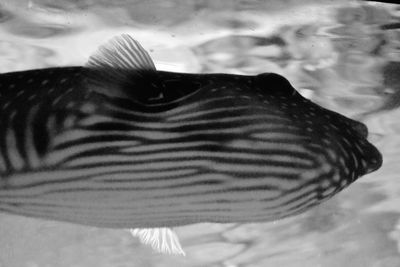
x=343 y=55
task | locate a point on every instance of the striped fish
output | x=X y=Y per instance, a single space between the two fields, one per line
x=118 y=144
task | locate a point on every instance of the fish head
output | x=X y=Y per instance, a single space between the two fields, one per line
x=351 y=137
x=337 y=141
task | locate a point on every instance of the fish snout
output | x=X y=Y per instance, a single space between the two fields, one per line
x=368 y=157
x=373 y=158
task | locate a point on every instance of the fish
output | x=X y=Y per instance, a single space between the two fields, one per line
x=118 y=144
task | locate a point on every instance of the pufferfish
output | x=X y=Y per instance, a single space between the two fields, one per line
x=118 y=144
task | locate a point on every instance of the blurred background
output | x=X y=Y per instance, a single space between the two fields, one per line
x=344 y=55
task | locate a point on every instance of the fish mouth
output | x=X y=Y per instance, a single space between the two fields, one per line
x=373 y=158
x=371 y=154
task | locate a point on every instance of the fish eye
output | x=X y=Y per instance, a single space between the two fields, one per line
x=275 y=83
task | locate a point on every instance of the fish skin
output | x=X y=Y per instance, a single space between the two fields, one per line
x=54 y=91
x=170 y=149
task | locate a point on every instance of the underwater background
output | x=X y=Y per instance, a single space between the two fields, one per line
x=344 y=55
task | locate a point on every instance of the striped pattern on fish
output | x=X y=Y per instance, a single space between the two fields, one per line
x=116 y=146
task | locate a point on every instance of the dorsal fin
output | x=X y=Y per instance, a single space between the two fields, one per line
x=122 y=53
x=117 y=66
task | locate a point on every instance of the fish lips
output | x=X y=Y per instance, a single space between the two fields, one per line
x=371 y=154
x=373 y=158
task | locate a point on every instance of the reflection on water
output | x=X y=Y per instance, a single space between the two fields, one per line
x=342 y=54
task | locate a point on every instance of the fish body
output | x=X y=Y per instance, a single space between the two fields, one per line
x=119 y=144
